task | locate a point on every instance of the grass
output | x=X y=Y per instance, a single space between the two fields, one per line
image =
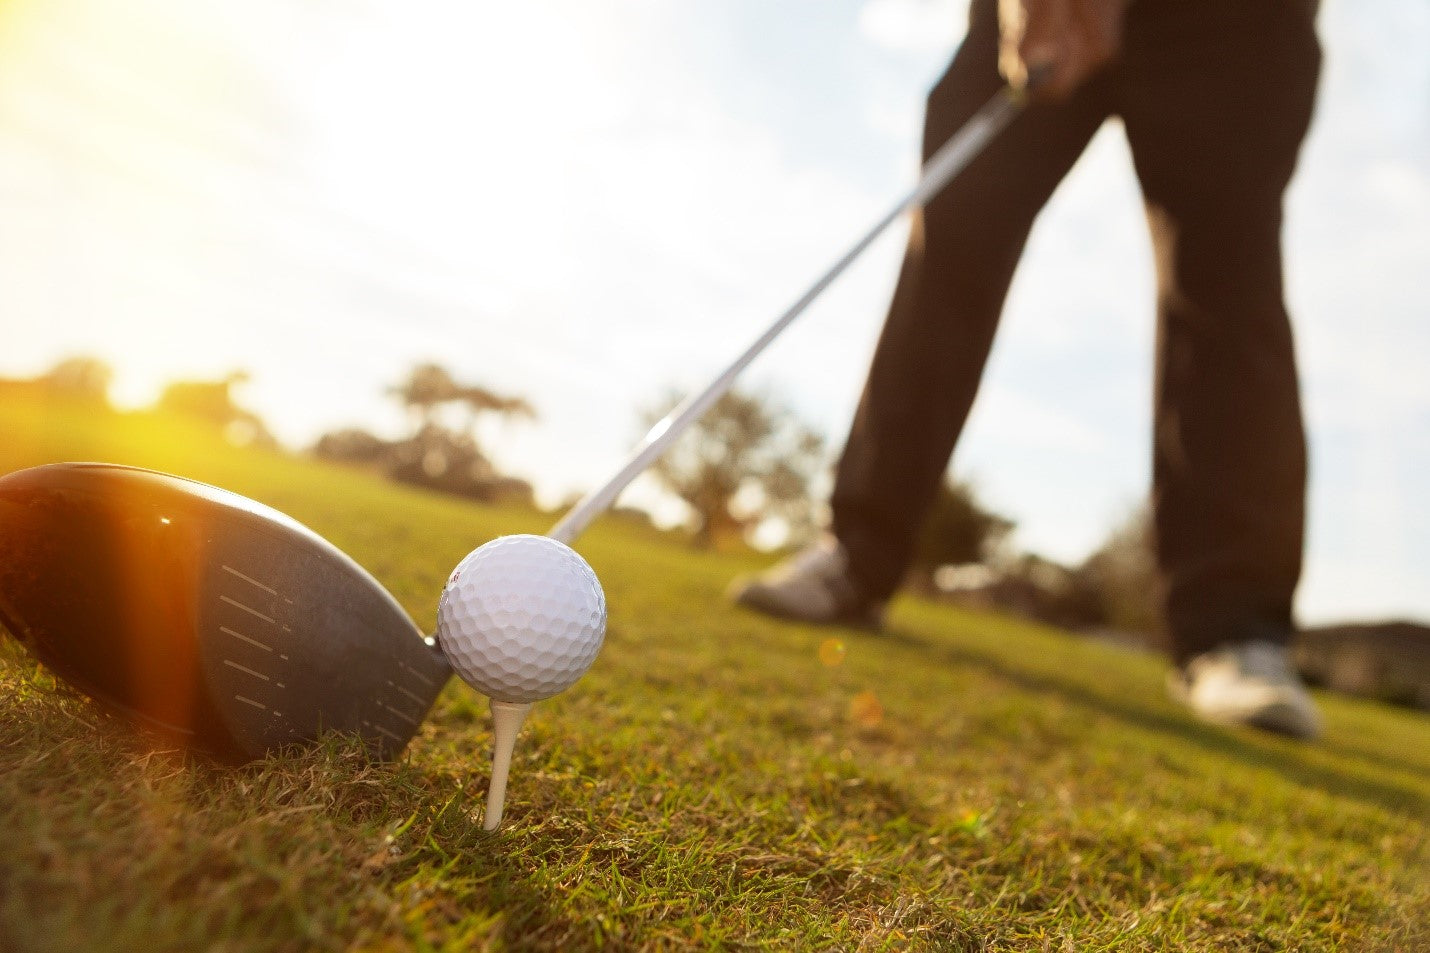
x=718 y=781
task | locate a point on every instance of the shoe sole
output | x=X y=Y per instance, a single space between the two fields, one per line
x=1282 y=718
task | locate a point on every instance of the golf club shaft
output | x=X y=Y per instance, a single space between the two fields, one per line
x=946 y=163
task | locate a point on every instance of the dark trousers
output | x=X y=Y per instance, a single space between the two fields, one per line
x=1215 y=97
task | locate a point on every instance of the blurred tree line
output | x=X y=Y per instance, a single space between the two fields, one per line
x=441 y=451
x=79 y=381
x=748 y=463
x=85 y=381
x=213 y=403
x=744 y=462
x=965 y=557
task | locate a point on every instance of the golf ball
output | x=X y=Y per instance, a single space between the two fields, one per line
x=521 y=618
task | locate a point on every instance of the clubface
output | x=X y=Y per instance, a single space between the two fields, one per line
x=213 y=620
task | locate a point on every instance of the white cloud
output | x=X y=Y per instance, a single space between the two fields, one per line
x=913 y=26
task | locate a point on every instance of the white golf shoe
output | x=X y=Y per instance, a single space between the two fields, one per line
x=1248 y=683
x=813 y=585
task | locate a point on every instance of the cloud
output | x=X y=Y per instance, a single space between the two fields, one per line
x=913 y=26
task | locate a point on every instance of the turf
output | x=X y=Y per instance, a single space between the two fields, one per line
x=718 y=781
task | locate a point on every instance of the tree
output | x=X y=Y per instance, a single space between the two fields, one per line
x=1122 y=574
x=212 y=402
x=958 y=529
x=352 y=445
x=429 y=387
x=442 y=452
x=742 y=463
x=86 y=379
x=450 y=461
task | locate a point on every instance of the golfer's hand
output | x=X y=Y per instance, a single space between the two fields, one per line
x=1062 y=42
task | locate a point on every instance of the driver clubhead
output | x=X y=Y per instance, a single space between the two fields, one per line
x=216 y=621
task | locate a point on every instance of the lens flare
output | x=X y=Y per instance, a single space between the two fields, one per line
x=831 y=653
x=865 y=710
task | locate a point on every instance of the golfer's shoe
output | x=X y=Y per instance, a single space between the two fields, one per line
x=1247 y=683
x=813 y=585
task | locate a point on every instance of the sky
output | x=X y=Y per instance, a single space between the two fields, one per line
x=587 y=204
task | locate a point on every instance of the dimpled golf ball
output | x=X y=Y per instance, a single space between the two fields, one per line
x=521 y=618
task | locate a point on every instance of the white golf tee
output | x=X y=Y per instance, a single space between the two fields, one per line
x=507 y=719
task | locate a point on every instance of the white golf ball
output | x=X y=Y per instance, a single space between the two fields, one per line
x=521 y=618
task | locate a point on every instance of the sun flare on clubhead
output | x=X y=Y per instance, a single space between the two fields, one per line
x=210 y=619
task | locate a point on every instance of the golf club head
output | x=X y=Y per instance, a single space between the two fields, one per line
x=213 y=620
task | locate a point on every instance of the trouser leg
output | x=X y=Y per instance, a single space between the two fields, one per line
x=1215 y=121
x=961 y=255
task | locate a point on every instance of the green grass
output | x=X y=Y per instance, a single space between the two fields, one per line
x=966 y=782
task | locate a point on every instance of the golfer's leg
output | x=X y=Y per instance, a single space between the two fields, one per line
x=1216 y=100
x=960 y=259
